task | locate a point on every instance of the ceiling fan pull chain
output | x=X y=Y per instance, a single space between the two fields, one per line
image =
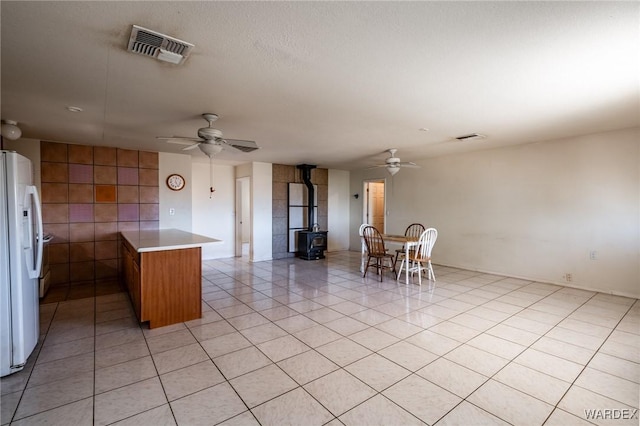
x=211 y=190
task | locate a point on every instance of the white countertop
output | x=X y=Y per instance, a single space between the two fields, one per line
x=165 y=239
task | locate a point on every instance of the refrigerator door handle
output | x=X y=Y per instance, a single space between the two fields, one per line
x=32 y=191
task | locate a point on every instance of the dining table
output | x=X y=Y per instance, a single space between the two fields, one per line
x=408 y=243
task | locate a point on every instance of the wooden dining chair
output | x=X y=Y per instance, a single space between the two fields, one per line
x=414 y=230
x=420 y=259
x=377 y=252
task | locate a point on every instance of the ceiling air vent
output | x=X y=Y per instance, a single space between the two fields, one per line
x=156 y=45
x=470 y=137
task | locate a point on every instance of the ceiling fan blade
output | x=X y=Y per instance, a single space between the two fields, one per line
x=377 y=166
x=193 y=146
x=179 y=139
x=244 y=146
x=178 y=142
x=409 y=164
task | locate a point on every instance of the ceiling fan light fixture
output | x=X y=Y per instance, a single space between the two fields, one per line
x=210 y=149
x=393 y=169
x=393 y=163
x=210 y=140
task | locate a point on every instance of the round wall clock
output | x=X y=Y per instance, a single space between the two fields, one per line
x=175 y=182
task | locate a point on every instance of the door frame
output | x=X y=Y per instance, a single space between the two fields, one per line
x=365 y=201
x=239 y=213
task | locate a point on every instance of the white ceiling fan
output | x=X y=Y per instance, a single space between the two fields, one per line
x=393 y=163
x=210 y=140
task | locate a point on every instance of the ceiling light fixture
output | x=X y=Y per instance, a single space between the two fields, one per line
x=73 y=109
x=393 y=169
x=210 y=149
x=10 y=130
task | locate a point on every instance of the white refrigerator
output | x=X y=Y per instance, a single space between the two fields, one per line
x=21 y=245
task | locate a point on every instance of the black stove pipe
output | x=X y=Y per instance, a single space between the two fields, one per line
x=306 y=178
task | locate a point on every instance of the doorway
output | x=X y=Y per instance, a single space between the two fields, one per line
x=243 y=217
x=374 y=204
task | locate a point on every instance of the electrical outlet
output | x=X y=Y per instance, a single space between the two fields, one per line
x=172 y=211
x=593 y=255
x=568 y=277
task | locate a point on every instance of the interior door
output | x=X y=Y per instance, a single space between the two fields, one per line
x=377 y=205
x=374 y=204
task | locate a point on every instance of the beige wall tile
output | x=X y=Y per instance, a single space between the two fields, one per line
x=105 y=156
x=53 y=152
x=80 y=154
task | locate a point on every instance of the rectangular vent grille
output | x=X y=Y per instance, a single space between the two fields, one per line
x=471 y=136
x=151 y=43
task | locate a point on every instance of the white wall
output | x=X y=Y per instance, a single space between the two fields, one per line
x=338 y=208
x=215 y=217
x=212 y=213
x=261 y=212
x=260 y=188
x=178 y=200
x=535 y=211
x=246 y=210
x=244 y=170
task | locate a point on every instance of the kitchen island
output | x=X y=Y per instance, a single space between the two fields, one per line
x=162 y=270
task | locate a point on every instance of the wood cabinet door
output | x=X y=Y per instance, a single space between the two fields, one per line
x=171 y=286
x=131 y=278
x=127 y=265
x=136 y=291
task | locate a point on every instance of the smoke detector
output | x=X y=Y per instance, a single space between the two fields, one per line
x=471 y=136
x=159 y=46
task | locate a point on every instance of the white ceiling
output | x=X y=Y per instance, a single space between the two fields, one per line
x=327 y=83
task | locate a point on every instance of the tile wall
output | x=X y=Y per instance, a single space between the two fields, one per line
x=282 y=176
x=89 y=194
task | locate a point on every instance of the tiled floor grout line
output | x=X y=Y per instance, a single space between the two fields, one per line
x=514 y=290
x=301 y=290
x=586 y=365
x=95 y=338
x=317 y=378
x=39 y=347
x=37 y=351
x=557 y=325
x=521 y=352
x=357 y=378
x=526 y=348
x=228 y=381
x=443 y=355
x=464 y=343
x=155 y=366
x=273 y=363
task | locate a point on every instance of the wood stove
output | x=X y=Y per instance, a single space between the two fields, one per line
x=312 y=242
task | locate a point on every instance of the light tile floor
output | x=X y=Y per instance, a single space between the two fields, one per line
x=312 y=343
